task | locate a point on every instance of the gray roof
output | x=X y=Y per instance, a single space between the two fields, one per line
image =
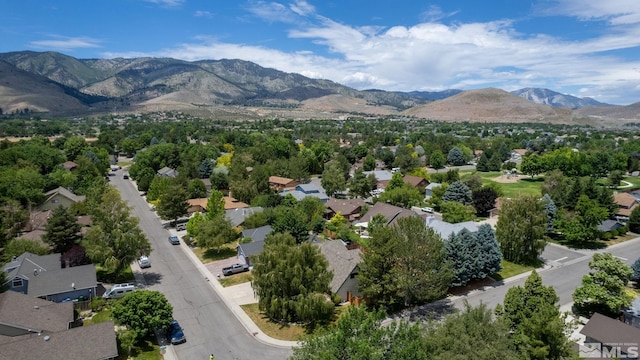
x=432 y=186
x=609 y=225
x=610 y=331
x=24 y=265
x=66 y=193
x=309 y=188
x=237 y=216
x=168 y=172
x=252 y=248
x=62 y=280
x=341 y=261
x=22 y=311
x=445 y=229
x=381 y=175
x=257 y=234
x=299 y=195
x=94 y=342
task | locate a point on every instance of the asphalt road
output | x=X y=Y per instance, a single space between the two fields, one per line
x=209 y=326
x=565 y=275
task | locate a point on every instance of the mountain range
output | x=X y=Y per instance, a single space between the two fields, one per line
x=61 y=85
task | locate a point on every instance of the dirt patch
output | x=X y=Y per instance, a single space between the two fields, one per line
x=507 y=179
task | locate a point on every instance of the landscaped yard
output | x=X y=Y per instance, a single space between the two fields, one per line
x=510 y=269
x=236 y=279
x=208 y=255
x=523 y=186
x=279 y=331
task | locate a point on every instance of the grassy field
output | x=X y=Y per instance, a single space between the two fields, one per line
x=284 y=332
x=236 y=279
x=524 y=185
x=634 y=180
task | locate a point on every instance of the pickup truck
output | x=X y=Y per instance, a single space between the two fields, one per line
x=235 y=269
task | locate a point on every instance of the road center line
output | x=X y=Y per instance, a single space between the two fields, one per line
x=562 y=258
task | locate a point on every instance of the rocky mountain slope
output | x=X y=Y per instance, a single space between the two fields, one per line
x=556 y=99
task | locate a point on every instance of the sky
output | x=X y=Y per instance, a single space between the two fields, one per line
x=585 y=48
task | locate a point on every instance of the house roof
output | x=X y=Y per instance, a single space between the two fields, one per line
x=37 y=220
x=167 y=171
x=202 y=202
x=432 y=186
x=26 y=312
x=309 y=188
x=231 y=203
x=64 y=192
x=391 y=212
x=413 y=180
x=626 y=212
x=609 y=331
x=609 y=225
x=24 y=265
x=341 y=261
x=625 y=200
x=445 y=229
x=299 y=195
x=520 y=152
x=257 y=234
x=279 y=180
x=252 y=248
x=381 y=175
x=68 y=165
x=62 y=280
x=94 y=342
x=344 y=206
x=237 y=216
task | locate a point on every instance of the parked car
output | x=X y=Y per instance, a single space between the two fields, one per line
x=174 y=240
x=144 y=262
x=119 y=290
x=427 y=210
x=235 y=269
x=125 y=176
x=175 y=333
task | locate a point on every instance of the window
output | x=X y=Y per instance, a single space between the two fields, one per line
x=17 y=282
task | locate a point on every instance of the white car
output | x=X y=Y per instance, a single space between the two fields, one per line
x=427 y=210
x=144 y=262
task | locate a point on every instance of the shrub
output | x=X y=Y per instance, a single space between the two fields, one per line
x=336 y=299
x=606 y=236
x=97 y=304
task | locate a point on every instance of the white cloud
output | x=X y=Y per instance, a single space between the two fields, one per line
x=617 y=12
x=167 y=3
x=202 y=13
x=60 y=43
x=302 y=8
x=273 y=12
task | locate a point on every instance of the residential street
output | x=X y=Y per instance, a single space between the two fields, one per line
x=209 y=325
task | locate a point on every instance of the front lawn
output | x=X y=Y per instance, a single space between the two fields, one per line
x=236 y=279
x=510 y=269
x=125 y=275
x=208 y=255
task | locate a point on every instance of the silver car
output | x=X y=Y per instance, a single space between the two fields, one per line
x=144 y=262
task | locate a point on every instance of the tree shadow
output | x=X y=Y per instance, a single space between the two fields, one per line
x=435 y=311
x=152 y=278
x=218 y=254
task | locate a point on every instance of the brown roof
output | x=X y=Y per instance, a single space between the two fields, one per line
x=626 y=212
x=414 y=180
x=231 y=203
x=37 y=220
x=625 y=200
x=609 y=331
x=344 y=206
x=202 y=202
x=85 y=220
x=69 y=165
x=520 y=151
x=391 y=212
x=279 y=180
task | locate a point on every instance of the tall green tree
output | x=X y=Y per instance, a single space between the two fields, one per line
x=143 y=311
x=62 y=230
x=215 y=204
x=489 y=257
x=458 y=192
x=215 y=232
x=16 y=247
x=455 y=212
x=173 y=203
x=333 y=180
x=437 y=159
x=196 y=189
x=455 y=157
x=532 y=314
x=291 y=220
x=634 y=220
x=521 y=229
x=291 y=281
x=359 y=185
x=13 y=218
x=461 y=253
x=603 y=289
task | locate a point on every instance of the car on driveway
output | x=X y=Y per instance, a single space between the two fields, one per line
x=175 y=333
x=144 y=262
x=173 y=239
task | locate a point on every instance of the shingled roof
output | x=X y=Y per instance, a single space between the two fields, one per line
x=341 y=261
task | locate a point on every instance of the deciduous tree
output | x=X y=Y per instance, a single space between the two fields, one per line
x=521 y=228
x=437 y=159
x=173 y=203
x=333 y=179
x=143 y=311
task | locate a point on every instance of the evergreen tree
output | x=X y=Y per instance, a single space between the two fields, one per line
x=484 y=200
x=461 y=254
x=636 y=270
x=488 y=255
x=458 y=192
x=483 y=163
x=634 y=220
x=495 y=162
x=551 y=210
x=359 y=185
x=455 y=157
x=62 y=230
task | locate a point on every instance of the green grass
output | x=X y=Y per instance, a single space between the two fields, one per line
x=236 y=279
x=125 y=275
x=524 y=185
x=147 y=349
x=288 y=332
x=510 y=269
x=634 y=180
x=102 y=316
x=208 y=255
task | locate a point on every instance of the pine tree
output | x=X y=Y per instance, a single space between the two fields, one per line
x=458 y=192
x=62 y=230
x=460 y=252
x=636 y=270
x=488 y=254
x=483 y=163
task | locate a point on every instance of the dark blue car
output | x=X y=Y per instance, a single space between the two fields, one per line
x=176 y=333
x=174 y=240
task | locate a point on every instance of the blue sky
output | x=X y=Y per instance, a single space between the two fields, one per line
x=579 y=47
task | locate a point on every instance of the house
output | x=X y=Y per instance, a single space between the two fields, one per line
x=197 y=205
x=518 y=154
x=44 y=277
x=415 y=181
x=383 y=177
x=349 y=208
x=238 y=215
x=278 y=183
x=247 y=251
x=167 y=172
x=390 y=212
x=609 y=225
x=232 y=203
x=344 y=265
x=303 y=190
x=445 y=229
x=626 y=203
x=610 y=336
x=69 y=165
x=429 y=190
x=60 y=197
x=38 y=329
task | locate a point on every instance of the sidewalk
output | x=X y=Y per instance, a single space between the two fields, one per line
x=233 y=302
